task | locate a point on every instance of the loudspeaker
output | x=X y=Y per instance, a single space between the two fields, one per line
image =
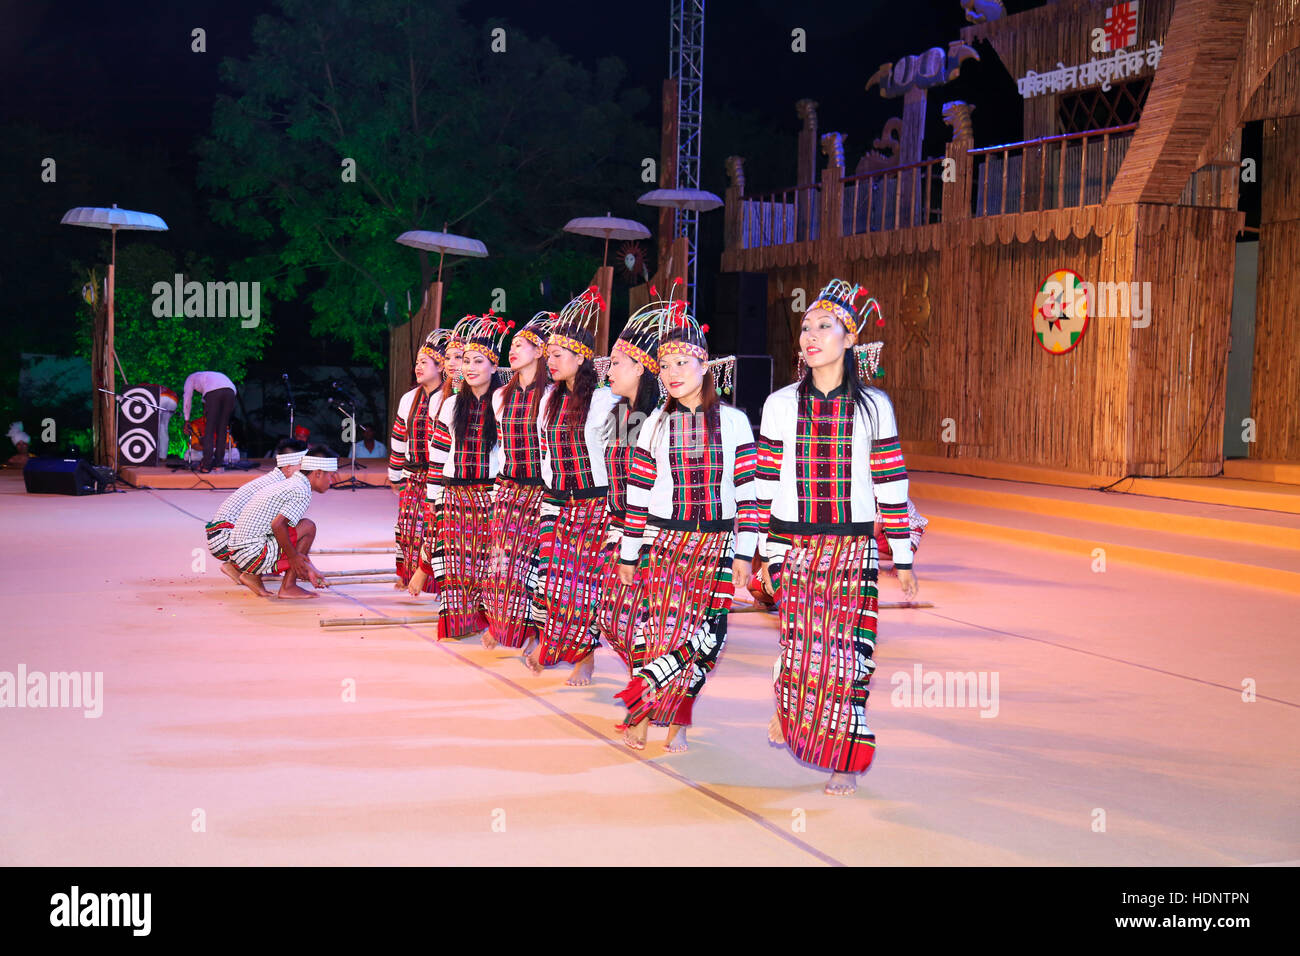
x=752 y=386
x=740 y=319
x=63 y=476
x=137 y=426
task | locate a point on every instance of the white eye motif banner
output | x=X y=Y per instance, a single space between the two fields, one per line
x=137 y=426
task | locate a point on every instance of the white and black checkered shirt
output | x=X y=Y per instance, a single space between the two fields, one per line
x=232 y=507
x=291 y=498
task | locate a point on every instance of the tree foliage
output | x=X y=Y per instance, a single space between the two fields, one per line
x=501 y=146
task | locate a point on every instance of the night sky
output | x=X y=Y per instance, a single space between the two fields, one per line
x=124 y=74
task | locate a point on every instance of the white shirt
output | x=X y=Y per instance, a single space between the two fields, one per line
x=204 y=382
x=596 y=433
x=779 y=428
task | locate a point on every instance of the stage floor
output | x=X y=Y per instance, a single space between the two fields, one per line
x=1120 y=735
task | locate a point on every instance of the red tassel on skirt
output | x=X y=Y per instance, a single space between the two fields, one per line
x=460 y=559
x=687 y=595
x=571 y=580
x=414 y=521
x=827 y=604
x=516 y=529
x=620 y=607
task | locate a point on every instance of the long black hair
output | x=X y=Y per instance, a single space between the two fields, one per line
x=584 y=383
x=858 y=389
x=465 y=399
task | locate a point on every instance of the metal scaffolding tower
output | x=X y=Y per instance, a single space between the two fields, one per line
x=686 y=66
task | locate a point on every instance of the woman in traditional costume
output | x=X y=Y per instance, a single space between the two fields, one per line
x=829 y=457
x=691 y=529
x=468 y=456
x=574 y=428
x=408 y=461
x=633 y=375
x=516 y=526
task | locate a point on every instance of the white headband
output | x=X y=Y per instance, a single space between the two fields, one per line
x=290 y=458
x=312 y=463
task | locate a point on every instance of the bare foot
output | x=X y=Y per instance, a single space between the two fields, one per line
x=254 y=583
x=775 y=735
x=488 y=640
x=531 y=661
x=294 y=592
x=676 y=742
x=634 y=736
x=581 y=675
x=842 y=784
x=230 y=571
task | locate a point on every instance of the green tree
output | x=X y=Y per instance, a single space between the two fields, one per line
x=504 y=146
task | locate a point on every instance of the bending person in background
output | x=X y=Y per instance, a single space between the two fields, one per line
x=218 y=393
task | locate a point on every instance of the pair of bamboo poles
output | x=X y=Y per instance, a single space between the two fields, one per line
x=385 y=576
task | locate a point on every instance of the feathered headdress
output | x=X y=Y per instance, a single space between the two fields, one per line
x=840 y=298
x=538 y=329
x=16 y=434
x=487 y=334
x=681 y=334
x=435 y=345
x=580 y=315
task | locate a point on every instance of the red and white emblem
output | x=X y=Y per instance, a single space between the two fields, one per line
x=1121 y=25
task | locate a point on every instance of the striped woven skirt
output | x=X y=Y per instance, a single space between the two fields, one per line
x=686 y=597
x=620 y=609
x=460 y=559
x=219 y=539
x=827 y=603
x=516 y=529
x=569 y=578
x=414 y=521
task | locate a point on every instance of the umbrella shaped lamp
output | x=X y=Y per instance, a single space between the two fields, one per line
x=692 y=200
x=113 y=219
x=606 y=227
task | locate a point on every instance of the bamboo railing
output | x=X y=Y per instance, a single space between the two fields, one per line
x=1051 y=172
x=895 y=198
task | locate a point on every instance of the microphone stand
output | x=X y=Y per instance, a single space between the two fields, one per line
x=289 y=404
x=353 y=482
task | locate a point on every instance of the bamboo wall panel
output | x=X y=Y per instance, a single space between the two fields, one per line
x=979 y=363
x=1279 y=94
x=1275 y=384
x=1178 y=364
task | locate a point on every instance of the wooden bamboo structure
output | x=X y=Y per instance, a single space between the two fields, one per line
x=1151 y=204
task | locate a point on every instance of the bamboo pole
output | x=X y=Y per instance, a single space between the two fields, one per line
x=357 y=573
x=370 y=579
x=377 y=621
x=354 y=551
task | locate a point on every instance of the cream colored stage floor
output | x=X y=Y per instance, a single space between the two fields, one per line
x=1120 y=703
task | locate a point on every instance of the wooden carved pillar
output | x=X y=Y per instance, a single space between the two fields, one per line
x=832 y=199
x=733 y=225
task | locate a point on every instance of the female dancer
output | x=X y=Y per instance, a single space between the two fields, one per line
x=829 y=456
x=573 y=429
x=517 y=497
x=692 y=476
x=466 y=452
x=408 y=461
x=634 y=380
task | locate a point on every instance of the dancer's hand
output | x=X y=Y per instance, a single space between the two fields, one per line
x=626 y=574
x=397 y=488
x=765 y=578
x=907 y=581
x=740 y=569
x=416 y=584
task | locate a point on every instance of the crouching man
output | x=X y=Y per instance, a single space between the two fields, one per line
x=273 y=535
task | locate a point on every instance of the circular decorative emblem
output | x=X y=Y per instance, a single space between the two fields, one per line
x=1061 y=311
